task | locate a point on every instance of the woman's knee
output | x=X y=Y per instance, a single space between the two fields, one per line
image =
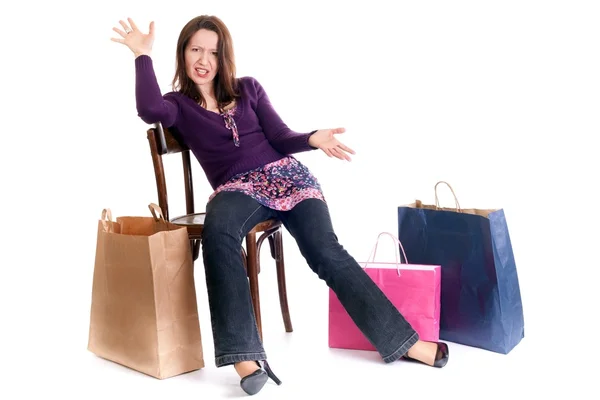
x=231 y=215
x=219 y=229
x=325 y=255
x=220 y=242
x=224 y=216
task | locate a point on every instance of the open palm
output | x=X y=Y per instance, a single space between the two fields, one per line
x=325 y=140
x=138 y=42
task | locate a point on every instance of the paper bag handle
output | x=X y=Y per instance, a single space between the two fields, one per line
x=105 y=219
x=156 y=212
x=437 y=202
x=371 y=258
x=106 y=215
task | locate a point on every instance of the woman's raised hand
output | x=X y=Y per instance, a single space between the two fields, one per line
x=139 y=43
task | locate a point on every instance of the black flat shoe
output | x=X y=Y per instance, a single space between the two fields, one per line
x=253 y=383
x=441 y=357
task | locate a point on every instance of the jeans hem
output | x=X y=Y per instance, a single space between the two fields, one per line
x=403 y=349
x=235 y=358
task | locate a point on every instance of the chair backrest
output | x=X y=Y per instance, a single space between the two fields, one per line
x=163 y=142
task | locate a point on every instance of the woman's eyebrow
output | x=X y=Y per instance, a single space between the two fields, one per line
x=202 y=47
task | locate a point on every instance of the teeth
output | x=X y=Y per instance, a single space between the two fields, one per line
x=202 y=71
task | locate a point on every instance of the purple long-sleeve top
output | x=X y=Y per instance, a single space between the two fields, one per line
x=264 y=137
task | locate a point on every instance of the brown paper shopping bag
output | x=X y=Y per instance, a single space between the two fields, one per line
x=144 y=313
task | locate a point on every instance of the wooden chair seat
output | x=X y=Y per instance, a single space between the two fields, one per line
x=195 y=224
x=163 y=142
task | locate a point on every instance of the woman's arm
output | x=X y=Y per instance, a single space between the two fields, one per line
x=152 y=107
x=282 y=138
x=286 y=141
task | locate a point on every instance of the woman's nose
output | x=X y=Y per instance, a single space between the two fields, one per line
x=203 y=56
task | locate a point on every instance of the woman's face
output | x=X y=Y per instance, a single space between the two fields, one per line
x=201 y=58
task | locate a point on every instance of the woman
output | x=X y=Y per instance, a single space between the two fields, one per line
x=246 y=150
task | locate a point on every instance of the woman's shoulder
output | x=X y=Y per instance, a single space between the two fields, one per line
x=245 y=80
x=250 y=88
x=179 y=98
x=175 y=96
x=249 y=83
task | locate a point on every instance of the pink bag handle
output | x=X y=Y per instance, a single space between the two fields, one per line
x=371 y=258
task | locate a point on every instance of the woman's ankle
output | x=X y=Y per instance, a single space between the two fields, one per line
x=245 y=368
x=423 y=351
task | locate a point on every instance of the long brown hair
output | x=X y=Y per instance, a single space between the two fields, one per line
x=225 y=82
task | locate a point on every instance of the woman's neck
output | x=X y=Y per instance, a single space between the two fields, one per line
x=207 y=91
x=208 y=95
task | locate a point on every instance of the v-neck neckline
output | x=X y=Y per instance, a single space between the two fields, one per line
x=239 y=110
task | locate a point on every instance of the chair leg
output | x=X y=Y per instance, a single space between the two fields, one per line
x=245 y=259
x=277 y=251
x=195 y=248
x=252 y=270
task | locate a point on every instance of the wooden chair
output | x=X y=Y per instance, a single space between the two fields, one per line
x=164 y=142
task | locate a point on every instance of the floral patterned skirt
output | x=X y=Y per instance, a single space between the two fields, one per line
x=279 y=185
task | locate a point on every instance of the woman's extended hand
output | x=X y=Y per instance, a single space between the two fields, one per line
x=138 y=42
x=325 y=140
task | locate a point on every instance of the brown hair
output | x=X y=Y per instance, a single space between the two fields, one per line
x=225 y=82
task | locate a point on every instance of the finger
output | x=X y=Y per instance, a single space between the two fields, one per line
x=341 y=155
x=120 y=32
x=343 y=151
x=118 y=40
x=151 y=29
x=133 y=25
x=328 y=152
x=336 y=153
x=124 y=25
x=338 y=130
x=346 y=148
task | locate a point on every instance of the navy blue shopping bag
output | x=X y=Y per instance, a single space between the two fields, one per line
x=480 y=294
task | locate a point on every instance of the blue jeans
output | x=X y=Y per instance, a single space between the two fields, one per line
x=230 y=216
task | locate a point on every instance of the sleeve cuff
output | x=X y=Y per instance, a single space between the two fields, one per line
x=143 y=62
x=308 y=137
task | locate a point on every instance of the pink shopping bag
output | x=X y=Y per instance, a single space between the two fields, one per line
x=414 y=290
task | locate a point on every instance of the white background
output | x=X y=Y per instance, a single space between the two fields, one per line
x=500 y=99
